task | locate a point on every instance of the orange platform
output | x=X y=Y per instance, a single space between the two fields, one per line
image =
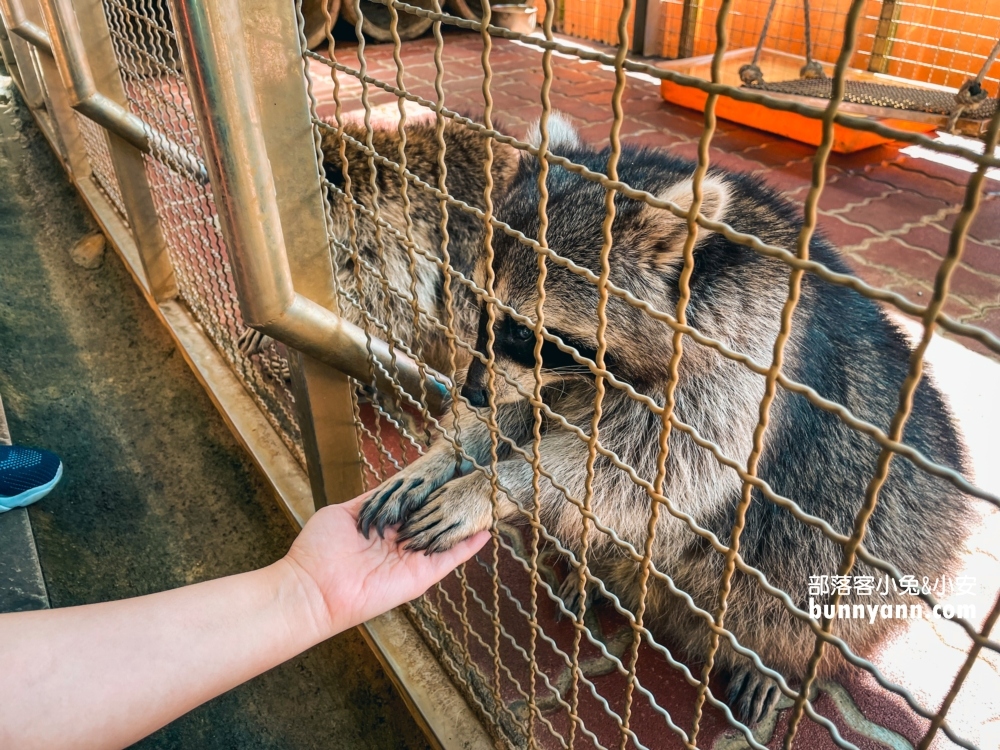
x=780 y=66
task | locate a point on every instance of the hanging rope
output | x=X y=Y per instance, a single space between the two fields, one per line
x=751 y=74
x=972 y=92
x=811 y=69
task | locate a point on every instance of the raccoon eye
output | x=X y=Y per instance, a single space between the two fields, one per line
x=523 y=333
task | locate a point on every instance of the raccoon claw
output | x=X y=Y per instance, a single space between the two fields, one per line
x=443 y=521
x=252 y=341
x=389 y=503
x=403 y=493
x=752 y=695
x=569 y=592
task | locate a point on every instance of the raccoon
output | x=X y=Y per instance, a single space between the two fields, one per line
x=842 y=344
x=383 y=251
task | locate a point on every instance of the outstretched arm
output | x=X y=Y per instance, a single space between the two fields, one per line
x=105 y=675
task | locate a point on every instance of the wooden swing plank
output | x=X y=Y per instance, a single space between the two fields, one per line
x=780 y=66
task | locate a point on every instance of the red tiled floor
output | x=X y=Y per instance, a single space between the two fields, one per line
x=897 y=209
x=843 y=191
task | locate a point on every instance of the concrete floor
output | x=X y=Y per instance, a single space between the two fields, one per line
x=156 y=492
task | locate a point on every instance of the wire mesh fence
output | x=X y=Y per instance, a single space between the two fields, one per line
x=411 y=187
x=940 y=44
x=146 y=51
x=585 y=679
x=95 y=143
x=937 y=43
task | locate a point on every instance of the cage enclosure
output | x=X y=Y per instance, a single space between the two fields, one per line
x=320 y=222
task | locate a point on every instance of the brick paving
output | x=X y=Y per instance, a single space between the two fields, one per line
x=889 y=212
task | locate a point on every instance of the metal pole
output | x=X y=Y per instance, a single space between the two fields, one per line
x=323 y=395
x=230 y=124
x=70 y=53
x=126 y=158
x=879 y=62
x=16 y=21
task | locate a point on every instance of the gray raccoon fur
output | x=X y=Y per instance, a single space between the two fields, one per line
x=842 y=344
x=465 y=154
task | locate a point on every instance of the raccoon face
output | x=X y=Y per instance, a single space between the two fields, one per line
x=645 y=258
x=514 y=345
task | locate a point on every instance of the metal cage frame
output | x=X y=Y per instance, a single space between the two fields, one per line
x=200 y=134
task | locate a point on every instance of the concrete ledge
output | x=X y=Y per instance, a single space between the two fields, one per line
x=22 y=586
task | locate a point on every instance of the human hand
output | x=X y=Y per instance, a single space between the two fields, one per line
x=351 y=579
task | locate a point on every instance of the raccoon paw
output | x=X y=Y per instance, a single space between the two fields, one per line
x=405 y=492
x=252 y=341
x=569 y=592
x=452 y=513
x=751 y=694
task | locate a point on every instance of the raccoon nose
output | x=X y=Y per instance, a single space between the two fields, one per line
x=477 y=396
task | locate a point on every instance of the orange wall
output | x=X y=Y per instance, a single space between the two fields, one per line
x=938 y=41
x=596 y=20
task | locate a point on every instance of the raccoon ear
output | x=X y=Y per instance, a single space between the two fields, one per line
x=669 y=232
x=714 y=196
x=562 y=134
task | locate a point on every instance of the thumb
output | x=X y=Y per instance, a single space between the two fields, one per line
x=442 y=563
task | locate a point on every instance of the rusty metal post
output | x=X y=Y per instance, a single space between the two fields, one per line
x=25 y=74
x=60 y=117
x=128 y=161
x=689 y=26
x=272 y=215
x=323 y=395
x=7 y=55
x=879 y=62
x=70 y=52
x=18 y=21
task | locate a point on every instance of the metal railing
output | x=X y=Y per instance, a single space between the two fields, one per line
x=212 y=159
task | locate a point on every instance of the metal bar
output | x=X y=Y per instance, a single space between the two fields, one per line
x=74 y=68
x=128 y=164
x=322 y=394
x=536 y=401
x=25 y=74
x=6 y=51
x=639 y=26
x=879 y=62
x=64 y=118
x=392 y=372
x=47 y=99
x=226 y=108
x=794 y=291
x=17 y=22
x=607 y=242
x=670 y=401
x=491 y=358
x=689 y=27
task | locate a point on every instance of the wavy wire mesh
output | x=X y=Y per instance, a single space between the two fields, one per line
x=941 y=43
x=95 y=143
x=919 y=40
x=146 y=50
x=536 y=681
